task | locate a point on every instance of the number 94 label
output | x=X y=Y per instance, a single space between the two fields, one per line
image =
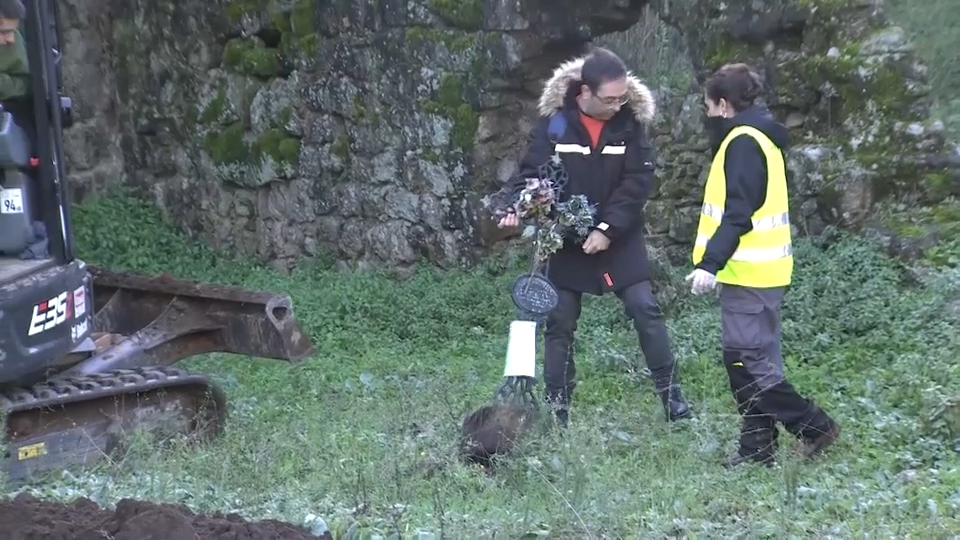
x=11 y=201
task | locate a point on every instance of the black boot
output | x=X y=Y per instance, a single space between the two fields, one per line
x=667 y=386
x=675 y=406
x=559 y=403
x=758 y=442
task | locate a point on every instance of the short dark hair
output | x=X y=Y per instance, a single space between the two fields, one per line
x=736 y=83
x=601 y=66
x=12 y=9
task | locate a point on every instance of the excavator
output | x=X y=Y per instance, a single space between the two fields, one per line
x=87 y=354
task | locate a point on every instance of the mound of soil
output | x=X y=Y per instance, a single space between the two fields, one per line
x=493 y=430
x=28 y=518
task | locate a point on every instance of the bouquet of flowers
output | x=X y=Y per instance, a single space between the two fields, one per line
x=546 y=221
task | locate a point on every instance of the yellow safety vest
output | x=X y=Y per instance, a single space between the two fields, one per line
x=764 y=257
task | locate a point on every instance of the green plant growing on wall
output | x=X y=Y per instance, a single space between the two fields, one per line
x=463 y=14
x=278 y=146
x=451 y=102
x=228 y=145
x=251 y=57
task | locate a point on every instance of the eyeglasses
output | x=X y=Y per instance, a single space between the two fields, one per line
x=613 y=100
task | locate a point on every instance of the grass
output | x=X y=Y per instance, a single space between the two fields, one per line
x=363 y=432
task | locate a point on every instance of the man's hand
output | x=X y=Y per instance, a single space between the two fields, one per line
x=703 y=281
x=595 y=243
x=509 y=220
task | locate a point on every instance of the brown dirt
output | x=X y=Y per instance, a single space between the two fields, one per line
x=29 y=518
x=493 y=430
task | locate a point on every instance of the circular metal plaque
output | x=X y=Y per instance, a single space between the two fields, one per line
x=534 y=294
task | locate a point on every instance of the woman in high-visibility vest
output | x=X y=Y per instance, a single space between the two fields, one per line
x=743 y=243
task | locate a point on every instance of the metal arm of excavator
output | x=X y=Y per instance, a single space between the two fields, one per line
x=164 y=320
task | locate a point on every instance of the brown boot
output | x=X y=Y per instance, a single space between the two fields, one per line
x=758 y=442
x=813 y=448
x=735 y=459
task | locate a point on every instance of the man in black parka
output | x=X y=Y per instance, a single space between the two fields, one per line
x=608 y=158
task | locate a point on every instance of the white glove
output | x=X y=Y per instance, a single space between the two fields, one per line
x=703 y=281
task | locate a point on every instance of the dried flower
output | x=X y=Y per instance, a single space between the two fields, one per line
x=546 y=221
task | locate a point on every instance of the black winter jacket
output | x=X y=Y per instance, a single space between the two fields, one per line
x=618 y=184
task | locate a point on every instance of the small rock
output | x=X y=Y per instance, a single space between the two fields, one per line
x=889 y=40
x=908 y=476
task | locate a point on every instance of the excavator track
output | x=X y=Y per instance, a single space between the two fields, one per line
x=118 y=377
x=82 y=419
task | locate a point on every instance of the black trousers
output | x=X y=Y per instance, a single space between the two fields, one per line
x=560 y=370
x=750 y=322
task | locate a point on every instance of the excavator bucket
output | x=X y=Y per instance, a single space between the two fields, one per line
x=161 y=320
x=121 y=379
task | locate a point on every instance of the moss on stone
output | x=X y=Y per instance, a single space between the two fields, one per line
x=228 y=146
x=364 y=112
x=464 y=14
x=289 y=150
x=871 y=99
x=480 y=71
x=416 y=35
x=214 y=109
x=251 y=58
x=279 y=146
x=233 y=53
x=341 y=147
x=455 y=41
x=261 y=62
x=298 y=38
x=723 y=48
x=303 y=18
x=280 y=21
x=237 y=9
x=825 y=5
x=285 y=115
x=187 y=127
x=310 y=43
x=296 y=47
x=466 y=121
x=451 y=103
x=450 y=92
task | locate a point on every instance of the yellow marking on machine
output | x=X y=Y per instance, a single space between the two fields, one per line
x=31 y=451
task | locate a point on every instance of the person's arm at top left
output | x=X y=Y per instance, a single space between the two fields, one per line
x=15 y=79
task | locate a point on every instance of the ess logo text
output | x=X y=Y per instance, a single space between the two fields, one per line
x=49 y=314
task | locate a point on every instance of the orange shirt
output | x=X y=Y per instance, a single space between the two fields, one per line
x=594 y=127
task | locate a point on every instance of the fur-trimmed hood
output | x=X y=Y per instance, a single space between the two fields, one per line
x=639 y=98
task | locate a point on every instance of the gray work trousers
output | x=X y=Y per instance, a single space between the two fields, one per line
x=752 y=355
x=560 y=371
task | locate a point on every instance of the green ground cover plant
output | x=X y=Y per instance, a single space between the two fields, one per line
x=364 y=433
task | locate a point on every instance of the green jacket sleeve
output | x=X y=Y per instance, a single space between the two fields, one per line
x=14 y=70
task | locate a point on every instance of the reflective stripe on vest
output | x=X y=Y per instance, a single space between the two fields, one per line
x=752 y=255
x=764 y=257
x=567 y=148
x=572 y=149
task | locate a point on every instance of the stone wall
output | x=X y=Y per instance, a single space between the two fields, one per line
x=371 y=129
